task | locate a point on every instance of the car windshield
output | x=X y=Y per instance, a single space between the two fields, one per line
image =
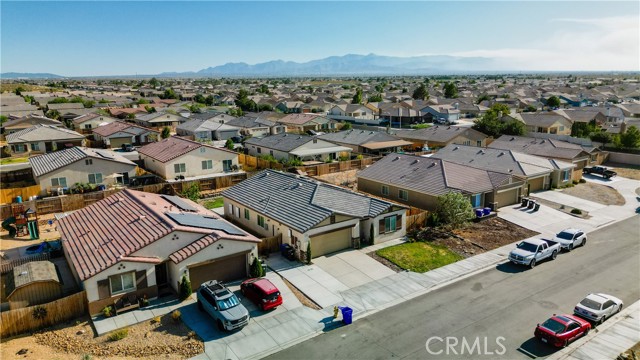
x=565 y=235
x=553 y=325
x=591 y=304
x=527 y=246
x=228 y=303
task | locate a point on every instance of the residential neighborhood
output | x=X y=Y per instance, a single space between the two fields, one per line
x=181 y=198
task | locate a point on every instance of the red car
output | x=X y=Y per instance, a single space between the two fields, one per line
x=560 y=330
x=262 y=292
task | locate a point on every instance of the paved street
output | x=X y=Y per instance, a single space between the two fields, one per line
x=505 y=302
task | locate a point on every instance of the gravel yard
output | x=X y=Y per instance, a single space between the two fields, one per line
x=601 y=194
x=624 y=170
x=148 y=340
x=344 y=178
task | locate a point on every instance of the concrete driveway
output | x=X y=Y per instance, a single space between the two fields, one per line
x=266 y=333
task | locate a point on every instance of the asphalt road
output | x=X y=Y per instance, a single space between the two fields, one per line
x=505 y=302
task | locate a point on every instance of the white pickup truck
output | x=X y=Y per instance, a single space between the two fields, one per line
x=532 y=251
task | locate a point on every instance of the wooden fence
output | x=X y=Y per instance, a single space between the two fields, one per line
x=9 y=195
x=251 y=162
x=270 y=244
x=5 y=267
x=417 y=221
x=15 y=322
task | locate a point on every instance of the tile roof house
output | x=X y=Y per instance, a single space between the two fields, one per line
x=256 y=126
x=87 y=122
x=134 y=244
x=64 y=168
x=305 y=211
x=418 y=181
x=366 y=141
x=442 y=135
x=207 y=130
x=158 y=120
x=546 y=123
x=540 y=173
x=180 y=158
x=287 y=146
x=28 y=121
x=303 y=122
x=354 y=113
x=119 y=133
x=40 y=139
x=548 y=148
x=441 y=112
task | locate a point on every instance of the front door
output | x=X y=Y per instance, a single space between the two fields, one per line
x=161 y=275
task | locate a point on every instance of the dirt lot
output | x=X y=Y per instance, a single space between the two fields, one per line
x=624 y=170
x=148 y=340
x=601 y=194
x=344 y=178
x=47 y=232
x=479 y=237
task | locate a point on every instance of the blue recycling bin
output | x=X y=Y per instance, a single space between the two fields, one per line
x=479 y=213
x=486 y=211
x=347 y=315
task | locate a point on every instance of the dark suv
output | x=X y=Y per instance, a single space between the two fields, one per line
x=223 y=305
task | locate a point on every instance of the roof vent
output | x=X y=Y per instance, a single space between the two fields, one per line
x=142 y=217
x=397 y=158
x=415 y=161
x=512 y=139
x=456 y=148
x=502 y=153
x=433 y=164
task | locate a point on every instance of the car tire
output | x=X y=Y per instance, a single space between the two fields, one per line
x=584 y=242
x=220 y=326
x=261 y=307
x=570 y=247
x=586 y=332
x=619 y=308
x=602 y=319
x=200 y=307
x=566 y=343
x=554 y=255
x=532 y=264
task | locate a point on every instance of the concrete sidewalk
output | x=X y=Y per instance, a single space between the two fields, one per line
x=608 y=340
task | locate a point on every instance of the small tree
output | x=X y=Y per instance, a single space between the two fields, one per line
x=346 y=126
x=454 y=209
x=185 y=288
x=229 y=144
x=553 y=102
x=166 y=132
x=357 y=98
x=420 y=93
x=256 y=269
x=450 y=90
x=308 y=252
x=630 y=138
x=193 y=192
x=372 y=234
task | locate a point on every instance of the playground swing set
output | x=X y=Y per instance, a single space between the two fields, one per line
x=22 y=222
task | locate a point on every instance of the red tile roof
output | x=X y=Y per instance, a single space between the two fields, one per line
x=110 y=230
x=298 y=119
x=171 y=148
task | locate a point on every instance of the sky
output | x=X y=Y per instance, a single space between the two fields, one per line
x=93 y=38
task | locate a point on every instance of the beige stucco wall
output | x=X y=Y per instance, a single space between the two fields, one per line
x=78 y=172
x=416 y=199
x=193 y=163
x=95 y=122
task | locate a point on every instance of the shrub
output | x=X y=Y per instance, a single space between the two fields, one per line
x=175 y=315
x=86 y=357
x=582 y=181
x=185 y=288
x=576 y=211
x=433 y=220
x=575 y=182
x=39 y=313
x=156 y=320
x=309 y=252
x=454 y=209
x=256 y=269
x=107 y=311
x=359 y=157
x=118 y=334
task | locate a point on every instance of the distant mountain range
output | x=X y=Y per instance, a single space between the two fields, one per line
x=350 y=64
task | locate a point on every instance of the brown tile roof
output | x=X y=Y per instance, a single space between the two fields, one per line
x=110 y=230
x=116 y=126
x=172 y=147
x=298 y=119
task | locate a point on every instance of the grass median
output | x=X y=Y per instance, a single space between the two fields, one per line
x=419 y=256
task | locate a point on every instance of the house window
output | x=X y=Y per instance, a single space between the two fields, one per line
x=203 y=149
x=179 y=168
x=561 y=128
x=95 y=178
x=385 y=190
x=226 y=165
x=35 y=146
x=403 y=195
x=246 y=214
x=88 y=161
x=259 y=150
x=19 y=148
x=87 y=126
x=59 y=182
x=475 y=200
x=122 y=282
x=565 y=175
x=262 y=223
x=466 y=142
x=332 y=219
x=390 y=224
x=271 y=152
x=207 y=165
x=479 y=143
x=594 y=158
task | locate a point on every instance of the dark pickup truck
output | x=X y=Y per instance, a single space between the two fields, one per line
x=599 y=170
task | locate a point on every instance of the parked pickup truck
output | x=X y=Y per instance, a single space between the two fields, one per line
x=532 y=251
x=600 y=170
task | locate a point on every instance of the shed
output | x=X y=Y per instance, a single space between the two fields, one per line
x=33 y=283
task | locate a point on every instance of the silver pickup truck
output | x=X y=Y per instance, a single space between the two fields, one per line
x=532 y=251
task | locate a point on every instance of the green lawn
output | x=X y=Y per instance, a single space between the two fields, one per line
x=13 y=160
x=419 y=256
x=212 y=204
x=421 y=126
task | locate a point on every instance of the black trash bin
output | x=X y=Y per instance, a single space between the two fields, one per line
x=347 y=315
x=525 y=202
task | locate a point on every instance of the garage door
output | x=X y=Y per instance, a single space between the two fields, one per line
x=330 y=242
x=229 y=269
x=117 y=142
x=536 y=184
x=508 y=197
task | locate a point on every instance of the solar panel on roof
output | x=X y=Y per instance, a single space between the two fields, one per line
x=179 y=202
x=205 y=222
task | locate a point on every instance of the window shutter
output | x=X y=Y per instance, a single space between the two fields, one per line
x=381 y=229
x=103 y=289
x=141 y=279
